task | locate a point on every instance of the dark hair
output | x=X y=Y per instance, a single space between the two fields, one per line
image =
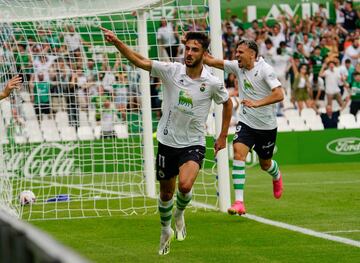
x=250 y=44
x=202 y=38
x=268 y=41
x=306 y=65
x=347 y=61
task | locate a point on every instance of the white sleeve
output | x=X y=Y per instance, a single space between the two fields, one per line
x=270 y=77
x=220 y=94
x=231 y=66
x=161 y=69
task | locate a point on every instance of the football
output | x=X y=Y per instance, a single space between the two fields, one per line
x=27 y=197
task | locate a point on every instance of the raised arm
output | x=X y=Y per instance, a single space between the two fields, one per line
x=131 y=55
x=213 y=62
x=12 y=84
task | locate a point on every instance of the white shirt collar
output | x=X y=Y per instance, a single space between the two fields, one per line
x=204 y=72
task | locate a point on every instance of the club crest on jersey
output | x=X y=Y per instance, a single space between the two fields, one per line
x=202 y=87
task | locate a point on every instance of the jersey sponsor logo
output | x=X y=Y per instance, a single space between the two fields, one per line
x=166 y=131
x=247 y=85
x=185 y=99
x=344 y=146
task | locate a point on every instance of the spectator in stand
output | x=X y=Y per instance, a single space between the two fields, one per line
x=316 y=62
x=70 y=92
x=40 y=95
x=281 y=66
x=332 y=78
x=267 y=51
x=23 y=62
x=350 y=70
x=350 y=16
x=301 y=86
x=330 y=119
x=108 y=119
x=74 y=43
x=301 y=54
x=16 y=126
x=318 y=89
x=353 y=52
x=278 y=32
x=355 y=94
x=308 y=43
x=331 y=43
x=155 y=88
x=338 y=12
x=235 y=23
x=167 y=39
x=98 y=102
x=228 y=42
x=120 y=88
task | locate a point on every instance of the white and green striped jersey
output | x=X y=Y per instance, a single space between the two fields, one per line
x=186 y=104
x=255 y=84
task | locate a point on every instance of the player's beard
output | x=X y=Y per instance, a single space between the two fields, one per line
x=194 y=63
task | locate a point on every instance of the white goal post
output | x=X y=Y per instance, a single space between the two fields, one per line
x=64 y=152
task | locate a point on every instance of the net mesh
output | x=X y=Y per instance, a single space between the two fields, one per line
x=73 y=133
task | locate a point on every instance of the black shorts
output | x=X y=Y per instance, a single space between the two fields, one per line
x=169 y=159
x=264 y=140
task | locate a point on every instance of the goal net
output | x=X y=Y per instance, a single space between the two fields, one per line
x=75 y=134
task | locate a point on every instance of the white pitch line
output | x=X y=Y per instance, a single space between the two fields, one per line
x=342 y=231
x=80 y=187
x=303 y=230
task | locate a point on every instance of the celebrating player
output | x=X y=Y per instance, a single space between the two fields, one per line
x=259 y=89
x=188 y=92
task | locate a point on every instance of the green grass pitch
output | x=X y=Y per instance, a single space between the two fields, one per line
x=324 y=198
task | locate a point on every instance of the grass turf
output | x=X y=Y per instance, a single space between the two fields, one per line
x=319 y=197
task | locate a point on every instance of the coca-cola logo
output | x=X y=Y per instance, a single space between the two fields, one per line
x=46 y=159
x=344 y=146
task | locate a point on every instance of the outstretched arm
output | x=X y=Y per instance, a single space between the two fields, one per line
x=226 y=117
x=275 y=96
x=213 y=62
x=131 y=55
x=12 y=84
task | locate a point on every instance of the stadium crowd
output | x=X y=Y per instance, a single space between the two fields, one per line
x=317 y=60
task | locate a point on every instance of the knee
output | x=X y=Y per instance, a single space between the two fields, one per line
x=185 y=187
x=265 y=166
x=166 y=196
x=240 y=157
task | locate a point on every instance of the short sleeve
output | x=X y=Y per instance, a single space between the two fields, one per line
x=270 y=77
x=220 y=94
x=161 y=69
x=231 y=66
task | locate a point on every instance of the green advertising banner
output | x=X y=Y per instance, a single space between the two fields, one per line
x=318 y=146
x=124 y=155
